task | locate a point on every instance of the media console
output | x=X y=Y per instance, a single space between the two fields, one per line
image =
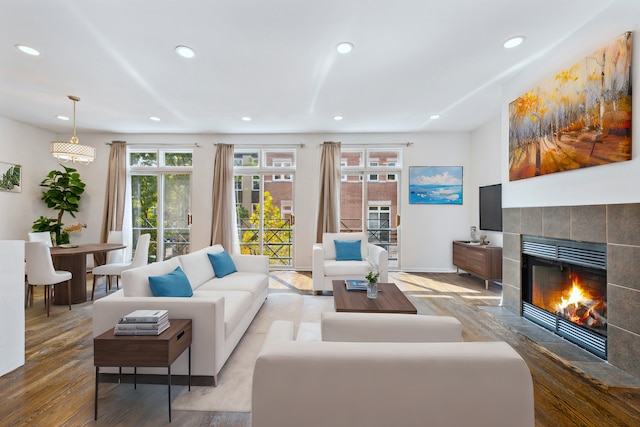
x=483 y=261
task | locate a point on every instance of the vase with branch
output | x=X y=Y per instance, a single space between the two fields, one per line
x=372 y=280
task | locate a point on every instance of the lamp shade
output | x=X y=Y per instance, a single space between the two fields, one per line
x=76 y=153
x=72 y=151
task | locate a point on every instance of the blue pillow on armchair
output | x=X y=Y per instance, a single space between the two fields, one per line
x=174 y=284
x=348 y=250
x=222 y=263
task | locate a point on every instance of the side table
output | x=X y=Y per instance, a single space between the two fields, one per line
x=142 y=350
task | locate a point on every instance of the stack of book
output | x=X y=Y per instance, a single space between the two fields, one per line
x=143 y=322
x=356 y=285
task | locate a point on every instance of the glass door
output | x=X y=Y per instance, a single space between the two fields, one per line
x=264 y=185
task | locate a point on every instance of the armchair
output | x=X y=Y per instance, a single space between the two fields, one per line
x=326 y=268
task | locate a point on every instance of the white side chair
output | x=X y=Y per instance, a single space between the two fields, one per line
x=115 y=269
x=41 y=236
x=326 y=268
x=40 y=271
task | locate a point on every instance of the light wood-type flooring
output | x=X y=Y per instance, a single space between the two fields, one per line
x=55 y=387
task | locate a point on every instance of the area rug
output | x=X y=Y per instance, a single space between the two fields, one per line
x=233 y=393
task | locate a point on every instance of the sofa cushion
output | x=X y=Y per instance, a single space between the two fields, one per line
x=222 y=264
x=174 y=284
x=236 y=305
x=197 y=267
x=135 y=282
x=330 y=247
x=348 y=250
x=255 y=283
x=345 y=268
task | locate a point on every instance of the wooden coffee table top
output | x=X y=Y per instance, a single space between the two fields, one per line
x=390 y=300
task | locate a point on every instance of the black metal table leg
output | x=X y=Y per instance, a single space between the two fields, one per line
x=95 y=402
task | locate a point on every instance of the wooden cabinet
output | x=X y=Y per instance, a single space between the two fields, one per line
x=480 y=260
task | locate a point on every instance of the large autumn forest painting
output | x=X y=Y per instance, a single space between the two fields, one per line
x=579 y=118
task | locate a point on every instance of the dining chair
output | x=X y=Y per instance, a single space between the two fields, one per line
x=40 y=271
x=35 y=236
x=140 y=258
x=41 y=236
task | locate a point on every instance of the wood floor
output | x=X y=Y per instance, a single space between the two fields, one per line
x=55 y=387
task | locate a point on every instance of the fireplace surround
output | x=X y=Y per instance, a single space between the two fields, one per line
x=615 y=225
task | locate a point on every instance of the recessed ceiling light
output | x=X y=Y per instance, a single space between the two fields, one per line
x=27 y=49
x=185 y=51
x=154 y=118
x=344 y=47
x=62 y=117
x=513 y=42
x=245 y=118
x=337 y=118
x=434 y=116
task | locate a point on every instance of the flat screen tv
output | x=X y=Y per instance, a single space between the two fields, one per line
x=491 y=207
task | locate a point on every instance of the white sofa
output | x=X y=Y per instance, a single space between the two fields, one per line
x=221 y=308
x=325 y=267
x=380 y=384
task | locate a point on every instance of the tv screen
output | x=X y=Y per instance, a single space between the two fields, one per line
x=491 y=207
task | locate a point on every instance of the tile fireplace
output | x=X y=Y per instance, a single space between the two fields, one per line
x=613 y=227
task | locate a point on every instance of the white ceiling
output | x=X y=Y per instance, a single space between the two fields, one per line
x=273 y=60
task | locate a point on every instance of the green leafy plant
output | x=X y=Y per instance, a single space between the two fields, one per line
x=373 y=274
x=63 y=193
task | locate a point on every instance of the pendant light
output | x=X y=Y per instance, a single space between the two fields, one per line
x=72 y=151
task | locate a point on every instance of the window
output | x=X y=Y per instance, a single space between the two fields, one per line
x=369 y=195
x=264 y=203
x=161 y=199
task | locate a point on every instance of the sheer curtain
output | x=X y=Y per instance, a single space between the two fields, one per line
x=329 y=201
x=115 y=197
x=224 y=229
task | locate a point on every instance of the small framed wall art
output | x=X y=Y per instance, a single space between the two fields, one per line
x=10 y=177
x=435 y=185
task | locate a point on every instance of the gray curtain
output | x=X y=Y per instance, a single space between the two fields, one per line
x=329 y=195
x=115 y=196
x=223 y=222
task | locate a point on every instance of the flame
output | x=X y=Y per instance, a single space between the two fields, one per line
x=580 y=307
x=576 y=295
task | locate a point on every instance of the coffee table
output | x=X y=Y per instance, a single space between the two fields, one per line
x=390 y=300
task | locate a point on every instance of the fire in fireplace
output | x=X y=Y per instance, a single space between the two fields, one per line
x=564 y=285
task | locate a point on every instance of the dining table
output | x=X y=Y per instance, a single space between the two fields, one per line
x=73 y=258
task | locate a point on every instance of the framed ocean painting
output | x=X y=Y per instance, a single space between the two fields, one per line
x=435 y=185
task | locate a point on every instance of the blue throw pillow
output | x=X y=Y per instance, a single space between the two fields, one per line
x=174 y=284
x=348 y=250
x=222 y=263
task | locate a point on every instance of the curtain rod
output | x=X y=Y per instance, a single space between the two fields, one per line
x=264 y=145
x=392 y=144
x=162 y=144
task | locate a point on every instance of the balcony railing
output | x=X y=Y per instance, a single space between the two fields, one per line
x=277 y=241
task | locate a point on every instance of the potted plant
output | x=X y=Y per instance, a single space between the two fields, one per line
x=63 y=192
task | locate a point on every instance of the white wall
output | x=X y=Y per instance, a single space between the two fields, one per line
x=29 y=147
x=606 y=184
x=426 y=231
x=486 y=157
